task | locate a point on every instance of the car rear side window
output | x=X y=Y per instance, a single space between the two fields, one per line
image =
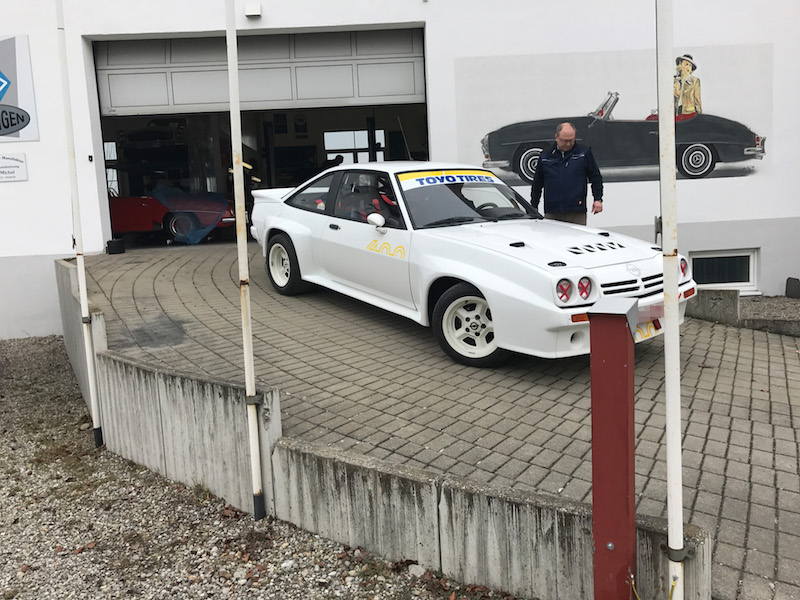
x=314 y=196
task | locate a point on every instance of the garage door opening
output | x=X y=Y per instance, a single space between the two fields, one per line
x=148 y=155
x=306 y=99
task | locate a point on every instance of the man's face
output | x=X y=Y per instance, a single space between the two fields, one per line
x=565 y=139
x=686 y=68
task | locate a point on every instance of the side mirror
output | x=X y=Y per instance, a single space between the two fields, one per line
x=377 y=220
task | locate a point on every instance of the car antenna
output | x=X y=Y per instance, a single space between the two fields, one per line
x=403 y=133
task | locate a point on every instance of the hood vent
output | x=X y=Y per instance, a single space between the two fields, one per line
x=599 y=247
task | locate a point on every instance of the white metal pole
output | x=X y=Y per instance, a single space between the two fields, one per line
x=259 y=509
x=669 y=243
x=77 y=232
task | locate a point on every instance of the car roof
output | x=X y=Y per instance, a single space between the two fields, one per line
x=403 y=166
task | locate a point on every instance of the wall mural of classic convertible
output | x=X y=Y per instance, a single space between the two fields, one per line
x=702 y=141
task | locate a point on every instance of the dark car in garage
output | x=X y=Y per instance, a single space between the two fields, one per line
x=701 y=140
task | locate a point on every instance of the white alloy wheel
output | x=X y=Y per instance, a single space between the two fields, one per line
x=280 y=266
x=467 y=327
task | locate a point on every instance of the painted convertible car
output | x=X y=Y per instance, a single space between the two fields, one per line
x=454 y=248
x=701 y=141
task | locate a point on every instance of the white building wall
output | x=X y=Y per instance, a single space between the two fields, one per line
x=37 y=218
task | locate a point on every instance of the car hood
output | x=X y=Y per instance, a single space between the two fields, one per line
x=544 y=241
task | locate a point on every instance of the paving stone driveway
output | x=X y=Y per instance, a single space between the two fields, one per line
x=374 y=383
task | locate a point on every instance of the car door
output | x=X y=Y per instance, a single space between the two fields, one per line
x=358 y=255
x=623 y=143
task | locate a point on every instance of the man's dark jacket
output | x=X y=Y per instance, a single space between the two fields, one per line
x=564 y=176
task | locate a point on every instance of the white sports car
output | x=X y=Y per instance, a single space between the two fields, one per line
x=455 y=248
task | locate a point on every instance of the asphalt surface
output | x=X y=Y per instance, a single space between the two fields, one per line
x=370 y=382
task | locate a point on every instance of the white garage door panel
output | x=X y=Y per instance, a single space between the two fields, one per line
x=322 y=45
x=192 y=87
x=265 y=84
x=275 y=71
x=373 y=43
x=264 y=47
x=137 y=52
x=386 y=79
x=335 y=81
x=138 y=89
x=200 y=50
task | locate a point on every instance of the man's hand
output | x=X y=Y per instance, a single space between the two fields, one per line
x=597 y=207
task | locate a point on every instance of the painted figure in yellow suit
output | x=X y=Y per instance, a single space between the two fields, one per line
x=687 y=87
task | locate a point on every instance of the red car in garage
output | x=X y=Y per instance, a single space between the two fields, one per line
x=182 y=216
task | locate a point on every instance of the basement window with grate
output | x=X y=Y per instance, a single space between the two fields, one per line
x=726 y=269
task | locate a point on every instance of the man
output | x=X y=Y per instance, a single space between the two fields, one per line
x=563 y=173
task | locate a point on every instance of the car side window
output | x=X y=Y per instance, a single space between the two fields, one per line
x=314 y=196
x=361 y=194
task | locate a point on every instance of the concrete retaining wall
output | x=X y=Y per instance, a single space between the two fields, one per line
x=390 y=510
x=720 y=306
x=724 y=306
x=189 y=430
x=530 y=546
x=69 y=302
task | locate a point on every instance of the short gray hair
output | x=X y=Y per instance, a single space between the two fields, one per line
x=561 y=126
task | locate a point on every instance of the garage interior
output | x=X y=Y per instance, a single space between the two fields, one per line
x=305 y=99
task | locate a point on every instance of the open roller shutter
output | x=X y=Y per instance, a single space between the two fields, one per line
x=140 y=77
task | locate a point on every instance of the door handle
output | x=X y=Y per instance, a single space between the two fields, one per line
x=333 y=226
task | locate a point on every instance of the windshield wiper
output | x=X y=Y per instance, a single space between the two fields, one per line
x=516 y=216
x=452 y=221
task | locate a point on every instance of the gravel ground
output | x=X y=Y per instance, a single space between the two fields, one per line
x=78 y=522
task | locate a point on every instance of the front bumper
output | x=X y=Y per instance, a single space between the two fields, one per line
x=572 y=339
x=550 y=332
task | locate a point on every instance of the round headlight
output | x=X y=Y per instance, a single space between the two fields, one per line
x=564 y=290
x=585 y=288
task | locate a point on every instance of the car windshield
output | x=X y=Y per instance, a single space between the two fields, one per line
x=445 y=198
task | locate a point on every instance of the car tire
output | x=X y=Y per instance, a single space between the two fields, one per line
x=526 y=161
x=462 y=324
x=282 y=267
x=696 y=160
x=179 y=224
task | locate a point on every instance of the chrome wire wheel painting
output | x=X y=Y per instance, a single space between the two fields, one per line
x=697 y=160
x=528 y=163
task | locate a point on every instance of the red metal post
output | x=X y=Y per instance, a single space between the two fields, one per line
x=613 y=485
